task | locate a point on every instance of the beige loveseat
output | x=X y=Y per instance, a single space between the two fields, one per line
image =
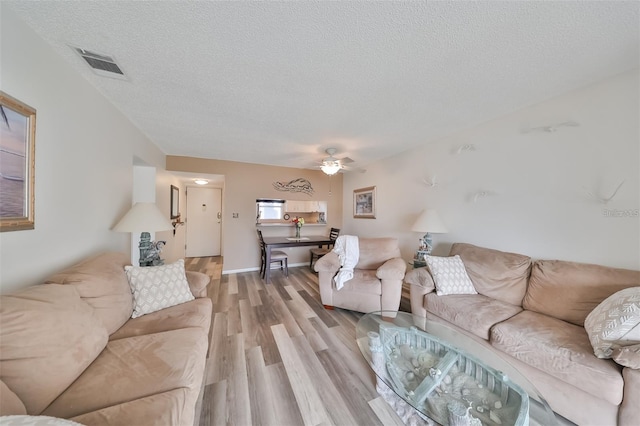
x=377 y=277
x=70 y=349
x=534 y=313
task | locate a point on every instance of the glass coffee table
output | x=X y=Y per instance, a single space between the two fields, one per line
x=432 y=374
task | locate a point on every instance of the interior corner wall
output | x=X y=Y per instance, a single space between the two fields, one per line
x=175 y=242
x=144 y=190
x=85 y=150
x=538 y=193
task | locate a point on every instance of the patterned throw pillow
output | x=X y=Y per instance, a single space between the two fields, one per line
x=157 y=287
x=615 y=322
x=450 y=276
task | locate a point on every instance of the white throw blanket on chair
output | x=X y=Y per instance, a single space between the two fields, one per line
x=348 y=251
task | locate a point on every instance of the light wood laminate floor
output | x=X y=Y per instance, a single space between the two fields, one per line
x=277 y=357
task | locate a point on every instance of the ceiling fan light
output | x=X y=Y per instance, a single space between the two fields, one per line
x=330 y=167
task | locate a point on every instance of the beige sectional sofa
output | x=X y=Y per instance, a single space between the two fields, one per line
x=70 y=349
x=534 y=313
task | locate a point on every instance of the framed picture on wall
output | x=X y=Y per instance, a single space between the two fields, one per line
x=364 y=203
x=17 y=164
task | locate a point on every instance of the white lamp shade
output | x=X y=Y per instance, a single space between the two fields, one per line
x=143 y=217
x=429 y=221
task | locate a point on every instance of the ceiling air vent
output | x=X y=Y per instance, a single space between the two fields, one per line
x=101 y=64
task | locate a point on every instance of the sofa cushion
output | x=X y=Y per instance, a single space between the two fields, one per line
x=48 y=337
x=168 y=408
x=376 y=251
x=474 y=313
x=449 y=275
x=363 y=281
x=561 y=350
x=196 y=313
x=102 y=283
x=569 y=290
x=500 y=275
x=10 y=404
x=134 y=368
x=158 y=287
x=615 y=322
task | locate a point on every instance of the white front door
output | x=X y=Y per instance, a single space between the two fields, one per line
x=204 y=221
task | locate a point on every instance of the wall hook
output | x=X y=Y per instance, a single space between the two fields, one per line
x=177 y=222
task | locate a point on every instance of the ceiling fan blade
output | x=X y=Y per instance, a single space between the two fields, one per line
x=346 y=160
x=353 y=169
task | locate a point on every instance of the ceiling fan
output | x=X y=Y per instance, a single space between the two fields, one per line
x=332 y=165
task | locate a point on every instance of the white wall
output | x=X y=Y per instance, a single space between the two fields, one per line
x=537 y=182
x=84 y=160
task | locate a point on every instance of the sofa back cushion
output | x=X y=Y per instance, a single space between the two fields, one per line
x=48 y=337
x=570 y=291
x=376 y=251
x=496 y=274
x=102 y=283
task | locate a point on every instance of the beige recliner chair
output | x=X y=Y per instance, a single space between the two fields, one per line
x=377 y=278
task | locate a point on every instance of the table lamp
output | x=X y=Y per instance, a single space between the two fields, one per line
x=429 y=222
x=144 y=218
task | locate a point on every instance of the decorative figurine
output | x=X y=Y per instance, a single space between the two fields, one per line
x=150 y=251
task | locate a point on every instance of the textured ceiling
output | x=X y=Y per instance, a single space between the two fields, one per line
x=279 y=82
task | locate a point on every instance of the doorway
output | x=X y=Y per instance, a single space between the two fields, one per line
x=204 y=222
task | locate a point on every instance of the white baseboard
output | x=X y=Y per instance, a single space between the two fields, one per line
x=257 y=268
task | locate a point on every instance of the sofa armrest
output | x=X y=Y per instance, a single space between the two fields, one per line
x=390 y=274
x=330 y=262
x=198 y=283
x=421 y=277
x=392 y=269
x=629 y=411
x=627 y=356
x=421 y=283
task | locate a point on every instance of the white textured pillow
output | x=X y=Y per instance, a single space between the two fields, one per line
x=450 y=276
x=615 y=322
x=157 y=287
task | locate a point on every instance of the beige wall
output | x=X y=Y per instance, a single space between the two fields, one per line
x=84 y=161
x=243 y=184
x=536 y=183
x=174 y=249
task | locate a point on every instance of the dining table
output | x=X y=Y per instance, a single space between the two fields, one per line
x=280 y=242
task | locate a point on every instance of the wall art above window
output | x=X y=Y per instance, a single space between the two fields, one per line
x=296 y=185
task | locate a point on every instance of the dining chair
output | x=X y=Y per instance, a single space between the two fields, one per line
x=318 y=252
x=276 y=256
